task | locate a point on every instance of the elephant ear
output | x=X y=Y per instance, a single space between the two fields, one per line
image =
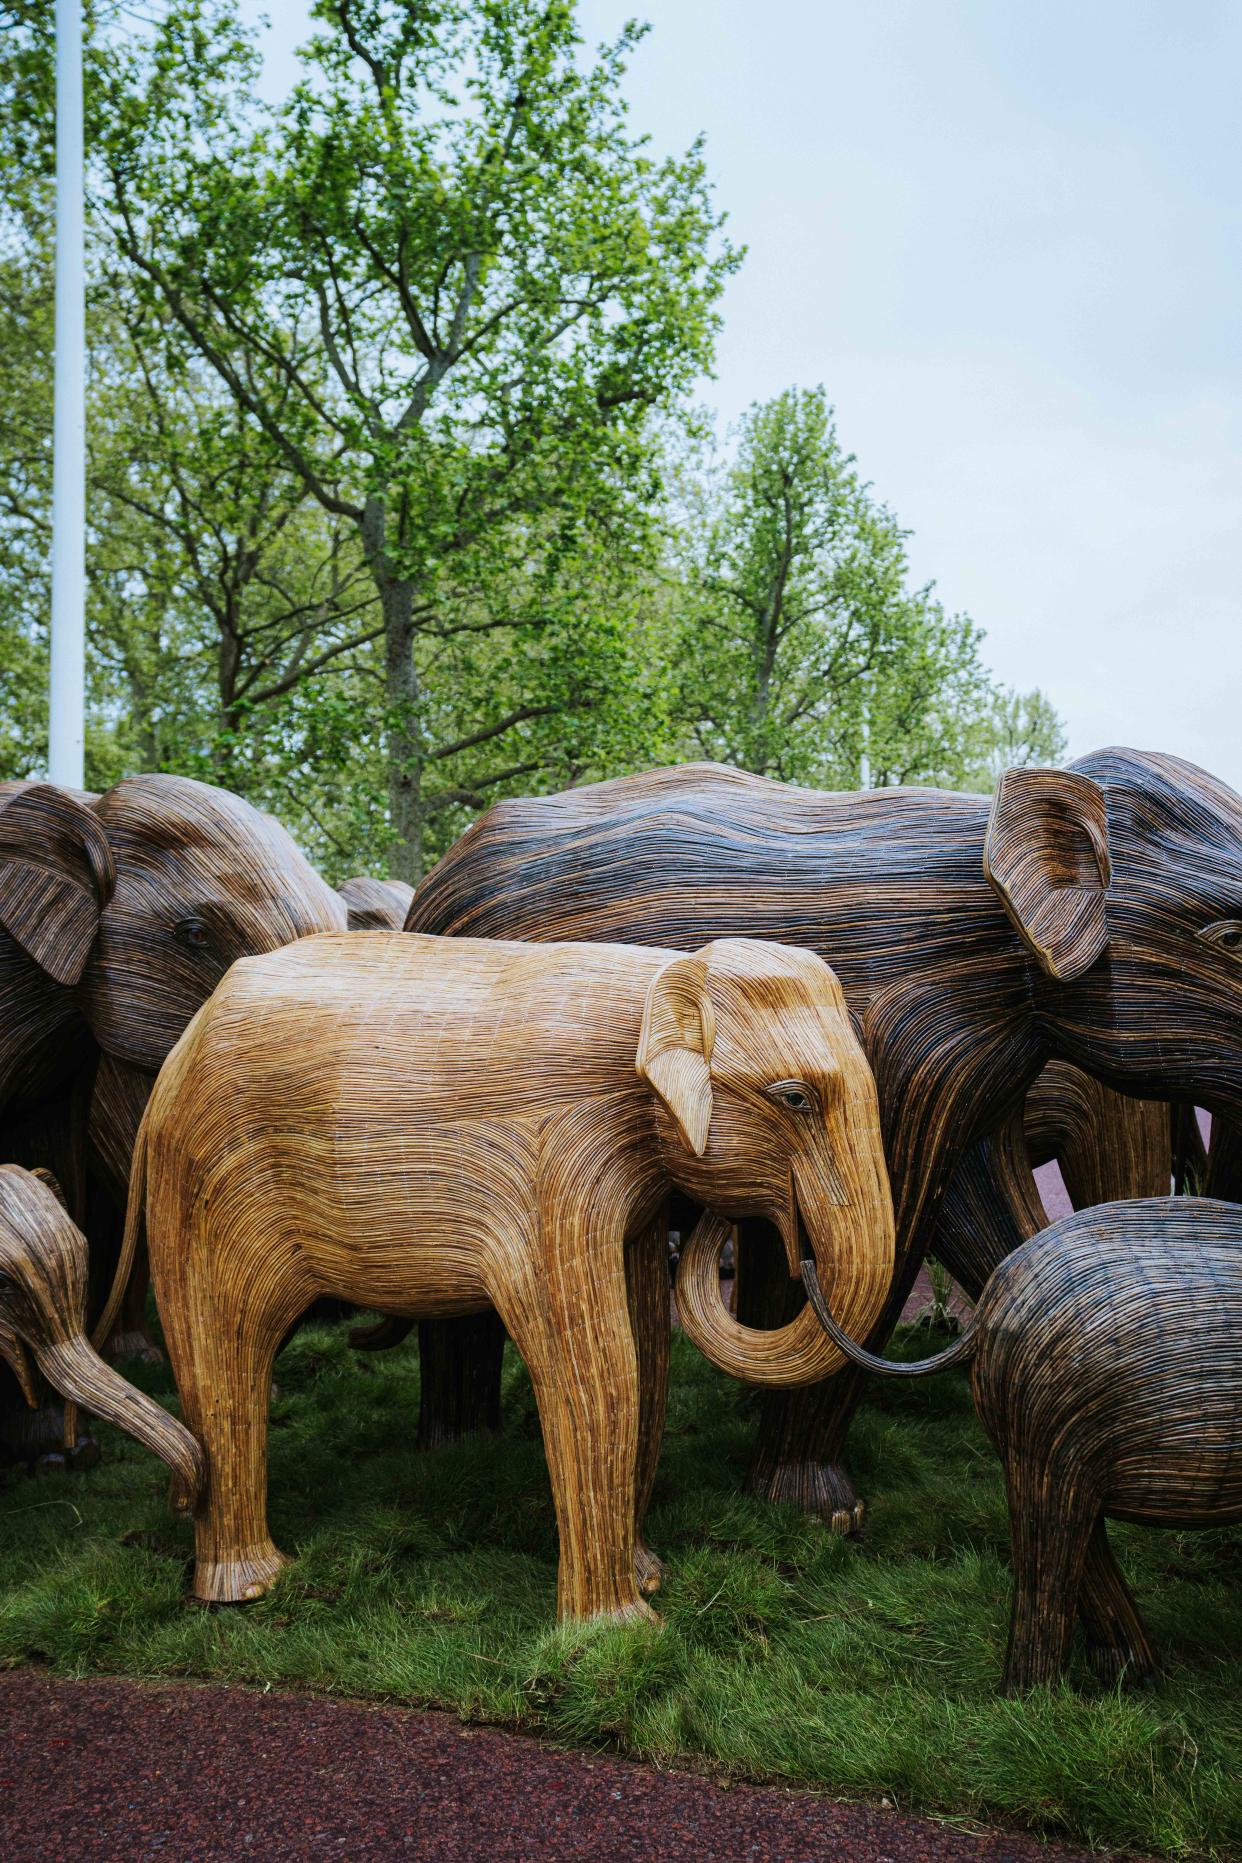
x=56 y=876
x=1046 y=854
x=675 y=1047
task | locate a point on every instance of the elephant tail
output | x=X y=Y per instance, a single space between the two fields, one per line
x=135 y=1225
x=963 y=1346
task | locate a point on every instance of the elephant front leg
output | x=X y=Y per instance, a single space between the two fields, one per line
x=801 y=1439
x=574 y=1334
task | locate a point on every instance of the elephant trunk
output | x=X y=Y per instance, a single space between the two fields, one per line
x=42 y=1312
x=72 y=1367
x=13 y=1352
x=849 y=1222
x=963 y=1346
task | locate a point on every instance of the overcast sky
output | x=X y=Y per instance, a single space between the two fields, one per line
x=1008 y=240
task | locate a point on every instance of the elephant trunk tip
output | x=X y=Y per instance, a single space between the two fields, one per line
x=75 y=1369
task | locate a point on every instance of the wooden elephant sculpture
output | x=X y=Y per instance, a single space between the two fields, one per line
x=1106 y=1144
x=43 y=1315
x=376 y=905
x=433 y=1126
x=119 y=914
x=1108 y=1374
x=1093 y=914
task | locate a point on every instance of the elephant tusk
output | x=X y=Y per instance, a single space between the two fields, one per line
x=963 y=1346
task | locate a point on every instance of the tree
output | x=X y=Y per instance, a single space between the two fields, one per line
x=446 y=283
x=795 y=642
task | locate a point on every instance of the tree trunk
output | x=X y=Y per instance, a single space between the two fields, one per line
x=405 y=767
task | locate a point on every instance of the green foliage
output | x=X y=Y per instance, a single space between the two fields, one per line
x=864 y=1669
x=394 y=503
x=446 y=283
x=796 y=645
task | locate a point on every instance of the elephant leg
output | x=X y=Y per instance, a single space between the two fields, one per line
x=222 y=1338
x=1051 y=1519
x=647 y=1292
x=801 y=1438
x=38 y=1437
x=991 y=1205
x=460 y=1363
x=573 y=1330
x=129 y=1338
x=1224 y=1165
x=1117 y=1642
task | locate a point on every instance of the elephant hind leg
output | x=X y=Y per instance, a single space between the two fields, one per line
x=1051 y=1517
x=1117 y=1643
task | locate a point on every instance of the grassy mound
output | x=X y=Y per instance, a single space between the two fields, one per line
x=866 y=1669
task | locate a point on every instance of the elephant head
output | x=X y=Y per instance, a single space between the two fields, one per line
x=42 y=1311
x=1123 y=877
x=766 y=1107
x=140 y=899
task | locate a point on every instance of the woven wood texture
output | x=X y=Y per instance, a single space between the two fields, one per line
x=376 y=905
x=1108 y=1146
x=1093 y=914
x=119 y=914
x=436 y=1127
x=43 y=1316
x=1108 y=1374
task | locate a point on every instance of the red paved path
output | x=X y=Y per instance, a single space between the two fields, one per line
x=123 y=1770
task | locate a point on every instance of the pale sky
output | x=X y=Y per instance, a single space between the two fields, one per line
x=1007 y=238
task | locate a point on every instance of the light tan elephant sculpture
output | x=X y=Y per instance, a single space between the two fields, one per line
x=434 y=1126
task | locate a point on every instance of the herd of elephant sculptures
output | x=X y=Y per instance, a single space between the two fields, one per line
x=838 y=1029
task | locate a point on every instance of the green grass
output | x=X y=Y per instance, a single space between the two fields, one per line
x=867 y=1669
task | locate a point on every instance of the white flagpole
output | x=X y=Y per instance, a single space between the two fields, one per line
x=66 y=723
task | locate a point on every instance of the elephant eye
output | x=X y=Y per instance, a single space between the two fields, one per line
x=1226 y=933
x=794 y=1095
x=192 y=932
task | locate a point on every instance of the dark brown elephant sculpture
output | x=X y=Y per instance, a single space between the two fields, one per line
x=1108 y=1375
x=119 y=914
x=43 y=1315
x=1106 y=1144
x=1093 y=914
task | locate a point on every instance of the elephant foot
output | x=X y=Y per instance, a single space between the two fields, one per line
x=1112 y=1663
x=132 y=1345
x=249 y=1575
x=83 y=1455
x=37 y=1439
x=822 y=1489
x=648 y=1570
x=635 y=1611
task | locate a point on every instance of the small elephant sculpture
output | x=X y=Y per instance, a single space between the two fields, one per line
x=43 y=1313
x=1108 y=1374
x=443 y=1126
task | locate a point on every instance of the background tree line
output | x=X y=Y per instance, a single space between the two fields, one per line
x=397 y=500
